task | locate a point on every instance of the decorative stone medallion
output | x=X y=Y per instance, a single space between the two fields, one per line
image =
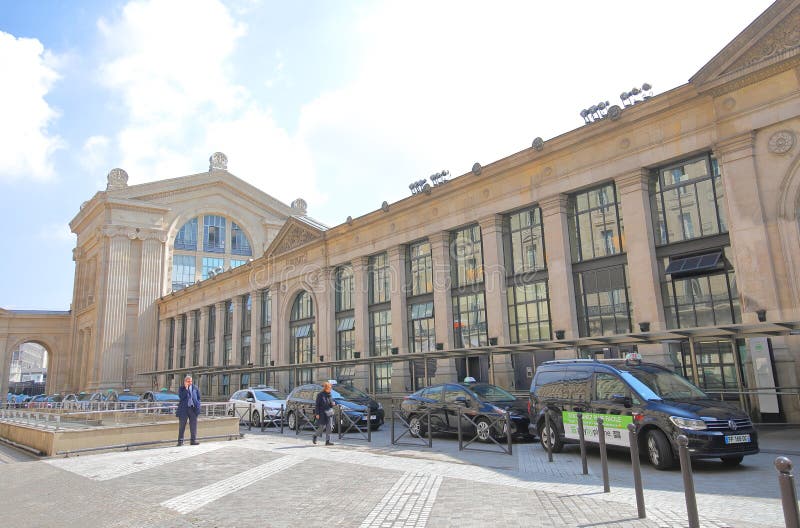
x=781 y=142
x=218 y=161
x=117 y=179
x=300 y=205
x=624 y=143
x=729 y=103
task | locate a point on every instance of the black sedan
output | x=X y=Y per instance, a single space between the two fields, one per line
x=485 y=405
x=353 y=401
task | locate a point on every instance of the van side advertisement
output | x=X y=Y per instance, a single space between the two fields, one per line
x=615 y=425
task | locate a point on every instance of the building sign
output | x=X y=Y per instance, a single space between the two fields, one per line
x=615 y=426
x=762 y=368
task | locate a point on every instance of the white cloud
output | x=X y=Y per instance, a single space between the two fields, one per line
x=170 y=63
x=27 y=143
x=94 y=153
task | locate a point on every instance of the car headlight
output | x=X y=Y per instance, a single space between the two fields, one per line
x=688 y=423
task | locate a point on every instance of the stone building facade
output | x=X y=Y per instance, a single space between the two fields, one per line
x=667 y=226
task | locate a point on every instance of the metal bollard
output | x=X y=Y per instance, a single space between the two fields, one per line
x=250 y=418
x=637 y=470
x=460 y=438
x=508 y=433
x=791 y=514
x=283 y=415
x=584 y=462
x=548 y=445
x=391 y=410
x=688 y=481
x=601 y=433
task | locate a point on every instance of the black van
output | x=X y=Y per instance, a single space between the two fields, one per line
x=661 y=403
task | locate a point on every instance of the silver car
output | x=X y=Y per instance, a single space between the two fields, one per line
x=257 y=405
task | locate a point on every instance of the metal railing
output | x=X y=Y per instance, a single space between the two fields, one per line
x=347 y=421
x=486 y=428
x=412 y=433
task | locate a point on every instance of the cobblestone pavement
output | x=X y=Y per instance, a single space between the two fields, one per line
x=269 y=480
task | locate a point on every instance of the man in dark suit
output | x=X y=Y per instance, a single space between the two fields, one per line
x=188 y=409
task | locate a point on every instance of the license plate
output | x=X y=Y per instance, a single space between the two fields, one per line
x=737 y=439
x=373 y=417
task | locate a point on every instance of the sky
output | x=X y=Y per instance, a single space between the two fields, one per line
x=340 y=103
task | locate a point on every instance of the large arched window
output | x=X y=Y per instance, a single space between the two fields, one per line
x=205 y=245
x=302 y=329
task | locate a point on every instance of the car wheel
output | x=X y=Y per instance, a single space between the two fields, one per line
x=483 y=429
x=255 y=419
x=732 y=461
x=292 y=421
x=549 y=436
x=415 y=426
x=659 y=451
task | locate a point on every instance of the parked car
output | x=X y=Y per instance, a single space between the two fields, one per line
x=45 y=401
x=662 y=405
x=124 y=400
x=354 y=402
x=481 y=402
x=77 y=401
x=168 y=400
x=264 y=402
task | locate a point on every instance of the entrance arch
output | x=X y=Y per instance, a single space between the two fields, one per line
x=47 y=328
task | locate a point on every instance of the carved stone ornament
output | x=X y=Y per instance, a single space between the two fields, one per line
x=295 y=238
x=476 y=169
x=781 y=142
x=300 y=205
x=782 y=38
x=349 y=220
x=117 y=179
x=385 y=206
x=538 y=144
x=218 y=161
x=614 y=112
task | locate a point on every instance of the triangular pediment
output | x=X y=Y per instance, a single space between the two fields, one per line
x=769 y=45
x=295 y=233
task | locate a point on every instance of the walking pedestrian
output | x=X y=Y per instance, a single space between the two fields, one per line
x=323 y=412
x=188 y=409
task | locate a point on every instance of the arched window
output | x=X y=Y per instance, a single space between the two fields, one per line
x=302 y=329
x=206 y=245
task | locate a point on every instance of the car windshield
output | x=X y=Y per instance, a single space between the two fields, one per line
x=166 y=396
x=665 y=384
x=348 y=392
x=491 y=393
x=269 y=395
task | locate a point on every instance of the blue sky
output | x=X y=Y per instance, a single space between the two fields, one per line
x=341 y=103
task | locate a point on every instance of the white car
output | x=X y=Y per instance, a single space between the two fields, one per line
x=257 y=405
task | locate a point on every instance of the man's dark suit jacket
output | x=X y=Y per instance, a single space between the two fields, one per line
x=184 y=395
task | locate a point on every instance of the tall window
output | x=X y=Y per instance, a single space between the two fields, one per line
x=595 y=224
x=422 y=333
x=182 y=351
x=211 y=335
x=469 y=304
x=196 y=338
x=302 y=329
x=247 y=313
x=526 y=267
x=171 y=343
x=700 y=297
x=345 y=314
x=687 y=201
x=379 y=279
x=183 y=271
x=603 y=304
x=420 y=268
x=228 y=334
x=380 y=332
x=205 y=244
x=266 y=328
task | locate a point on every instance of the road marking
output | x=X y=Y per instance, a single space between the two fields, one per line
x=109 y=466
x=195 y=499
x=408 y=504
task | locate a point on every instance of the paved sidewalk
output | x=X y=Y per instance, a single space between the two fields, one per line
x=269 y=480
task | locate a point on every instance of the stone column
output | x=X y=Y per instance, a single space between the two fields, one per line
x=5 y=358
x=178 y=331
x=279 y=327
x=255 y=327
x=202 y=355
x=219 y=333
x=150 y=289
x=559 y=266
x=494 y=273
x=442 y=303
x=752 y=254
x=236 y=331
x=112 y=343
x=401 y=379
x=643 y=279
x=361 y=314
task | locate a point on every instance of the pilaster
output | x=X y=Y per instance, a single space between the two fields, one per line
x=442 y=282
x=112 y=347
x=361 y=302
x=563 y=314
x=202 y=358
x=150 y=289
